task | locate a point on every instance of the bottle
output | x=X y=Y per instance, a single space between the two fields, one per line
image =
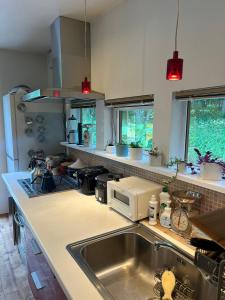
x=164 y=197
x=168 y=203
x=153 y=209
x=165 y=218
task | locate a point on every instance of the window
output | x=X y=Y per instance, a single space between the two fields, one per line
x=136 y=125
x=87 y=116
x=206 y=130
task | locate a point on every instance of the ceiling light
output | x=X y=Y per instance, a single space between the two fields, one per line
x=86 y=84
x=175 y=64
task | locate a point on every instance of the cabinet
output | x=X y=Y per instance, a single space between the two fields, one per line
x=43 y=283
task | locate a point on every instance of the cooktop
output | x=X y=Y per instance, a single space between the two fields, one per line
x=63 y=183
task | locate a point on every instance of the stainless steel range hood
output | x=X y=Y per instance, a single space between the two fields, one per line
x=68 y=64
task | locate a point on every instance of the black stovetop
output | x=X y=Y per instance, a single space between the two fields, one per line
x=63 y=183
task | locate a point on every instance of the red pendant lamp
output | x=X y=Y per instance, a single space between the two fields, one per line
x=86 y=84
x=175 y=64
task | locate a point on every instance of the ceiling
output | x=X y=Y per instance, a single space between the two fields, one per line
x=25 y=24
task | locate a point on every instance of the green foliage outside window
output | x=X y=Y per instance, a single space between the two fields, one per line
x=207 y=128
x=137 y=126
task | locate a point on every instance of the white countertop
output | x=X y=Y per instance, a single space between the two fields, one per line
x=59 y=219
x=218 y=186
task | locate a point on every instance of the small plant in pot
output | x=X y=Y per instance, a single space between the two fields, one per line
x=179 y=163
x=110 y=148
x=136 y=151
x=155 y=157
x=122 y=150
x=210 y=168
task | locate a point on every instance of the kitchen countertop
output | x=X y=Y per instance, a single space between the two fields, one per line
x=59 y=219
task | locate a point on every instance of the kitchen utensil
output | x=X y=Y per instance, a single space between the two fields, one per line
x=168 y=284
x=72 y=137
x=213 y=225
x=21 y=107
x=184 y=201
x=78 y=164
x=47 y=184
x=39 y=119
x=41 y=129
x=205 y=244
x=28 y=131
x=28 y=121
x=86 y=137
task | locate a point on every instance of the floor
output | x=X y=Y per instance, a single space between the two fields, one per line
x=13 y=276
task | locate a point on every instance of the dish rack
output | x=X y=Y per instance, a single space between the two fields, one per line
x=214 y=266
x=181 y=291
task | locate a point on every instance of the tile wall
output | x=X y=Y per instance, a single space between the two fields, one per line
x=212 y=200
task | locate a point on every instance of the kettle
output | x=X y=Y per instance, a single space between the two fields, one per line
x=47 y=183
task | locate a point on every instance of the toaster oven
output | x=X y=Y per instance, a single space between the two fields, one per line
x=130 y=196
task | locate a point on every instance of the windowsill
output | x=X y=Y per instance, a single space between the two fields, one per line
x=218 y=186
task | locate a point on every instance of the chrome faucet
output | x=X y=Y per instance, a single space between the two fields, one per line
x=162 y=244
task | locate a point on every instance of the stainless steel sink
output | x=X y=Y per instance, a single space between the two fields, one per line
x=125 y=265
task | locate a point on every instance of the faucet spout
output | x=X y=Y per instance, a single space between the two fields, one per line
x=163 y=244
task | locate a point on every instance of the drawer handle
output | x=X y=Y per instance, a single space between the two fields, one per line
x=18 y=220
x=35 y=248
x=37 y=281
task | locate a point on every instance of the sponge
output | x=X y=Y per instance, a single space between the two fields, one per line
x=168 y=284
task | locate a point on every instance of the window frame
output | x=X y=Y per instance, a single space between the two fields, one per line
x=118 y=117
x=188 y=119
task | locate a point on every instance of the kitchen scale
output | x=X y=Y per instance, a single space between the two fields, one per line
x=184 y=210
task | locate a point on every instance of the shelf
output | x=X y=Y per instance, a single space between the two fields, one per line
x=218 y=186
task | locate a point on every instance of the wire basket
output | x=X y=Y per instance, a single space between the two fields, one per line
x=181 y=292
x=214 y=268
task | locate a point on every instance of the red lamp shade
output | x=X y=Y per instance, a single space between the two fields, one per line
x=86 y=86
x=174 y=67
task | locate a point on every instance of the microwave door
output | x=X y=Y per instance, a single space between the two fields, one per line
x=124 y=203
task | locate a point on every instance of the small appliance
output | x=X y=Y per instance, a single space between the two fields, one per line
x=184 y=209
x=86 y=178
x=101 y=185
x=47 y=183
x=130 y=196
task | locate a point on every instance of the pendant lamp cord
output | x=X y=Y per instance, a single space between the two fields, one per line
x=177 y=24
x=85 y=28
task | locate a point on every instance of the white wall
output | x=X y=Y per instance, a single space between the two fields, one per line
x=131 y=45
x=17 y=68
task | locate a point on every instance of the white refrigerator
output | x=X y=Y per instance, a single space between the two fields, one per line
x=29 y=127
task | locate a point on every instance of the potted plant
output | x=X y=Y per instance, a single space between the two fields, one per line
x=122 y=149
x=210 y=168
x=110 y=148
x=136 y=151
x=155 y=157
x=179 y=163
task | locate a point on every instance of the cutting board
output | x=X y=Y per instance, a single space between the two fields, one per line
x=213 y=225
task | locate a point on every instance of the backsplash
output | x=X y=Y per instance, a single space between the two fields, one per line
x=212 y=200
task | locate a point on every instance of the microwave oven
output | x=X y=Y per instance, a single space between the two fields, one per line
x=130 y=196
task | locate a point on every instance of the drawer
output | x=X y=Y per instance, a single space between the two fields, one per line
x=43 y=283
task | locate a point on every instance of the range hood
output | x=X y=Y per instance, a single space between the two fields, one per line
x=68 y=64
